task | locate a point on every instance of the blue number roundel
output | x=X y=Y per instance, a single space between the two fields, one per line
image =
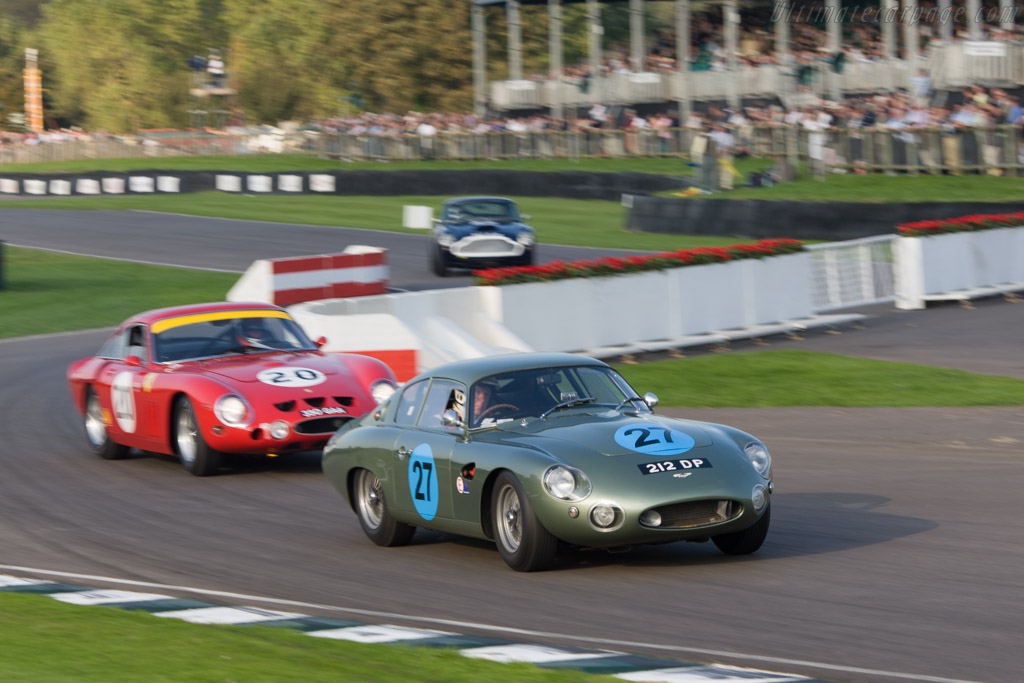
x=652 y=439
x=423 y=481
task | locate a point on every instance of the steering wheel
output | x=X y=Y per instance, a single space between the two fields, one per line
x=496 y=406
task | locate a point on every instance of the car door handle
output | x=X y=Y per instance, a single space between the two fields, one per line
x=402 y=452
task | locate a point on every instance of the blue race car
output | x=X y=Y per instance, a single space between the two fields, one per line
x=480 y=232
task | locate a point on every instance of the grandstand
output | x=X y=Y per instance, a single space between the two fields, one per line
x=792 y=51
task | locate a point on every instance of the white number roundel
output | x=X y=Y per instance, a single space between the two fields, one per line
x=291 y=377
x=123 y=402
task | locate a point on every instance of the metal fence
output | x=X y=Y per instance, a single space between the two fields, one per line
x=852 y=273
x=994 y=150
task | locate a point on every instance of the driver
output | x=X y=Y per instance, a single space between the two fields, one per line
x=253 y=328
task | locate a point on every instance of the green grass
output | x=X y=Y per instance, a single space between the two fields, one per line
x=45 y=640
x=805 y=378
x=576 y=222
x=51 y=292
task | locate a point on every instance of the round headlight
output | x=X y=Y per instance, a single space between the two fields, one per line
x=606 y=516
x=279 y=430
x=232 y=411
x=445 y=239
x=381 y=390
x=566 y=483
x=758 y=456
x=526 y=238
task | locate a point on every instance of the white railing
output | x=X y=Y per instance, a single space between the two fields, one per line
x=950 y=66
x=852 y=273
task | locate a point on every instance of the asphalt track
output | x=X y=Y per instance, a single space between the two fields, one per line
x=896 y=536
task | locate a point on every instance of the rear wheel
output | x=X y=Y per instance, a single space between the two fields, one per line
x=522 y=540
x=746 y=541
x=96 y=430
x=193 y=451
x=372 y=510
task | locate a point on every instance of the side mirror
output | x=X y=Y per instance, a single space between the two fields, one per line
x=450 y=418
x=321 y=342
x=651 y=400
x=133 y=361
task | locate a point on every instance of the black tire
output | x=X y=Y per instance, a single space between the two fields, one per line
x=372 y=510
x=195 y=454
x=522 y=540
x=746 y=541
x=96 y=430
x=529 y=258
x=438 y=262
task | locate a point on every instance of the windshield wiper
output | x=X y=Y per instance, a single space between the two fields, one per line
x=567 y=404
x=631 y=399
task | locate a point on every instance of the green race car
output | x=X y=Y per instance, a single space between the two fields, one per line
x=536 y=450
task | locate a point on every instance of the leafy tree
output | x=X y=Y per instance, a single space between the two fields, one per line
x=120 y=64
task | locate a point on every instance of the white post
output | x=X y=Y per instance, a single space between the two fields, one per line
x=636 y=35
x=515 y=41
x=555 y=47
x=479 y=60
x=683 y=58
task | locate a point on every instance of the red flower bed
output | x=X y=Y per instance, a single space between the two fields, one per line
x=981 y=221
x=615 y=265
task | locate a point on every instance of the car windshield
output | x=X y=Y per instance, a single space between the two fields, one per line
x=482 y=210
x=211 y=336
x=548 y=392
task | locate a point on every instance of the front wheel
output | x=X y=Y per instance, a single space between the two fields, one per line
x=746 y=541
x=193 y=451
x=96 y=430
x=438 y=262
x=378 y=524
x=522 y=540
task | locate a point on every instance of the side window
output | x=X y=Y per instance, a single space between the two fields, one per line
x=136 y=342
x=439 y=399
x=409 y=403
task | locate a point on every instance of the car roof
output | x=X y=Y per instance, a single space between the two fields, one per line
x=473 y=369
x=149 y=317
x=466 y=200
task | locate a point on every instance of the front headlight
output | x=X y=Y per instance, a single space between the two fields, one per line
x=758 y=456
x=381 y=390
x=232 y=410
x=566 y=483
x=526 y=238
x=445 y=239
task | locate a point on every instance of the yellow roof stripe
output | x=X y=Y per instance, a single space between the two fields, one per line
x=170 y=323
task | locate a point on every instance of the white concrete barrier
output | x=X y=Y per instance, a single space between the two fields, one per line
x=958 y=266
x=652 y=310
x=358 y=271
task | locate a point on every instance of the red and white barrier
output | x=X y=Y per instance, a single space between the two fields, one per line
x=358 y=271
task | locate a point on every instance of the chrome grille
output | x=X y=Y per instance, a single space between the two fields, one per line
x=698 y=513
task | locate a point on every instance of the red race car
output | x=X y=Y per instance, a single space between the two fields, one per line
x=198 y=381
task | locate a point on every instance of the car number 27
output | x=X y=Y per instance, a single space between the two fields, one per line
x=422 y=475
x=653 y=439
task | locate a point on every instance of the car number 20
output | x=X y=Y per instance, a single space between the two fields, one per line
x=291 y=377
x=423 y=481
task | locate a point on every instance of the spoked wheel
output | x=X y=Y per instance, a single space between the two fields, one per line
x=193 y=451
x=96 y=430
x=746 y=541
x=522 y=540
x=378 y=524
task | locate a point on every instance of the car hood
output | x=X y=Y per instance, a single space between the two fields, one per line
x=248 y=368
x=609 y=433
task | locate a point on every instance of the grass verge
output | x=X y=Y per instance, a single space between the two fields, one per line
x=791 y=377
x=45 y=640
x=50 y=292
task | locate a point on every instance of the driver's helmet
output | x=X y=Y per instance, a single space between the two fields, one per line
x=457 y=402
x=253 y=328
